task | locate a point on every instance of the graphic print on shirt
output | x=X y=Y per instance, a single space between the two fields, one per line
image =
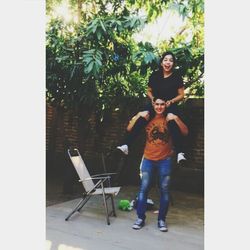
x=157 y=134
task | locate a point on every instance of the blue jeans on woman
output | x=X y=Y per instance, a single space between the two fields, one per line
x=147 y=171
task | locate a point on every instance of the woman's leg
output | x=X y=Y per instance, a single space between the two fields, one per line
x=141 y=123
x=131 y=136
x=177 y=137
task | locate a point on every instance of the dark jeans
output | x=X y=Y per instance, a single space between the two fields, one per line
x=148 y=167
x=172 y=126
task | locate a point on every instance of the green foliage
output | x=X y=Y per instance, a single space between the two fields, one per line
x=88 y=62
x=93 y=62
x=97 y=63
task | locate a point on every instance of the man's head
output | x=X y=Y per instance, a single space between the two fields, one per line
x=159 y=105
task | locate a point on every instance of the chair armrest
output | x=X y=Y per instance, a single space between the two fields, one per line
x=99 y=182
x=96 y=178
x=101 y=179
x=107 y=177
x=107 y=174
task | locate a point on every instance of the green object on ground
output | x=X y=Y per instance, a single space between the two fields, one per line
x=125 y=205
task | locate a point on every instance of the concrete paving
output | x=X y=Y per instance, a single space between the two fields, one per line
x=88 y=230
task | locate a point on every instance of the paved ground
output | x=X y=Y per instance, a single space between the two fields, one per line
x=88 y=230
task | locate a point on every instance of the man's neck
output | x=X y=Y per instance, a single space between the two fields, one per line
x=159 y=115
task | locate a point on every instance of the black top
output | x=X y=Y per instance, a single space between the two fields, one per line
x=166 y=88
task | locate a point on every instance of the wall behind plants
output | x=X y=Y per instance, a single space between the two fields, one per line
x=64 y=129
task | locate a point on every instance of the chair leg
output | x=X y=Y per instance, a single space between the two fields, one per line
x=113 y=205
x=106 y=208
x=77 y=207
x=86 y=199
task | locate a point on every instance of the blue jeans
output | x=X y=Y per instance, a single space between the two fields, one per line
x=147 y=170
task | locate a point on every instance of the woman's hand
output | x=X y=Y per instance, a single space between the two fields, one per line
x=152 y=101
x=168 y=103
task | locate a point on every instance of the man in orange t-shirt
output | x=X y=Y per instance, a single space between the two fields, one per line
x=157 y=156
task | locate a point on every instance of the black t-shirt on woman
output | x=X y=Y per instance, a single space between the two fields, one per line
x=166 y=88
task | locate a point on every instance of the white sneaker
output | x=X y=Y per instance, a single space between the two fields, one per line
x=123 y=148
x=162 y=225
x=139 y=223
x=181 y=157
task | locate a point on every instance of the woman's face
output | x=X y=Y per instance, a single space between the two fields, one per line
x=167 y=63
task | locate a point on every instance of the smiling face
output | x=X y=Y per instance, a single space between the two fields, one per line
x=168 y=63
x=159 y=106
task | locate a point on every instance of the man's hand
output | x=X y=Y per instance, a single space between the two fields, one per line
x=144 y=114
x=182 y=126
x=170 y=117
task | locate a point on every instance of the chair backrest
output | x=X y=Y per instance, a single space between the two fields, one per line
x=81 y=170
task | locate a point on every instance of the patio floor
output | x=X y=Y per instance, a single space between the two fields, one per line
x=88 y=230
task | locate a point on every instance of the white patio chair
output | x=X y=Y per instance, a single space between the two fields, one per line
x=90 y=187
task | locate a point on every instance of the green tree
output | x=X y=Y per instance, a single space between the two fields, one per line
x=95 y=62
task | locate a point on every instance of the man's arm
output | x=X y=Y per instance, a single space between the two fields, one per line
x=179 y=122
x=144 y=114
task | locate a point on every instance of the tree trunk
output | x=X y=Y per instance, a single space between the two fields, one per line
x=79 y=10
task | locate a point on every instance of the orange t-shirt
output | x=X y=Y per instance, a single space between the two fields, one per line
x=158 y=142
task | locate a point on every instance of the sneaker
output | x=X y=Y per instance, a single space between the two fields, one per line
x=124 y=149
x=181 y=157
x=162 y=225
x=139 y=223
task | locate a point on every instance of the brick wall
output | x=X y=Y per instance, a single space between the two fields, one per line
x=193 y=114
x=64 y=128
